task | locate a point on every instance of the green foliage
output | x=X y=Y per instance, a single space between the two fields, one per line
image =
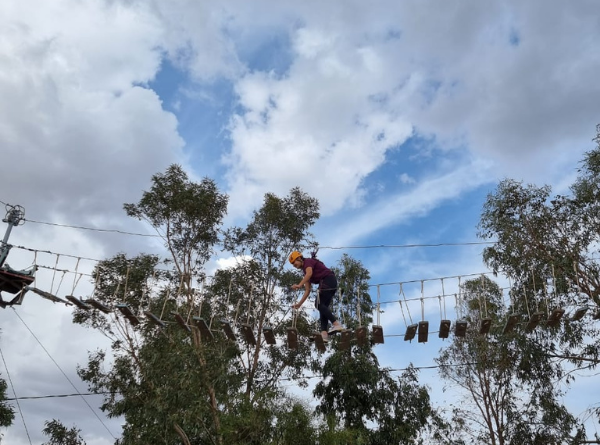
x=7 y=414
x=186 y=214
x=547 y=245
x=353 y=294
x=61 y=435
x=362 y=403
x=120 y=280
x=509 y=395
x=174 y=386
x=547 y=242
x=369 y=404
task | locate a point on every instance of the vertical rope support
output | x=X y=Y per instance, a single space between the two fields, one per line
x=406 y=303
x=193 y=292
x=554 y=286
x=228 y=296
x=96 y=282
x=537 y=306
x=444 y=298
x=358 y=307
x=401 y=308
x=146 y=292
x=54 y=273
x=510 y=299
x=484 y=295
x=422 y=301
x=576 y=270
x=250 y=303
x=162 y=312
x=126 y=283
x=526 y=301
x=378 y=306
x=75 y=280
x=212 y=315
x=459 y=299
x=545 y=292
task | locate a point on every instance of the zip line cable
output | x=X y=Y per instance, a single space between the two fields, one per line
x=56 y=396
x=375 y=246
x=15 y=393
x=63 y=373
x=404 y=246
x=312 y=376
x=92 y=229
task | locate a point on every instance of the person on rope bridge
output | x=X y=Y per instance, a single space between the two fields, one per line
x=315 y=272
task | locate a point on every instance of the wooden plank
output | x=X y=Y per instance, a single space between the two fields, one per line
x=47 y=295
x=248 y=334
x=511 y=322
x=411 y=330
x=181 y=322
x=535 y=319
x=292 y=338
x=97 y=305
x=423 y=331
x=154 y=319
x=126 y=311
x=445 y=328
x=555 y=317
x=205 y=331
x=269 y=335
x=460 y=328
x=77 y=302
x=485 y=326
x=319 y=343
x=579 y=313
x=228 y=330
x=361 y=336
x=378 y=334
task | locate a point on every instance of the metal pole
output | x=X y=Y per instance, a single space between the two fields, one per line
x=14 y=217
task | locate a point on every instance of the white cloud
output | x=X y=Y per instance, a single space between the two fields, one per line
x=306 y=129
x=505 y=81
x=396 y=209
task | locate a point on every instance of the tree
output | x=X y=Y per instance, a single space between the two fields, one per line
x=362 y=403
x=356 y=305
x=7 y=414
x=61 y=435
x=166 y=383
x=259 y=294
x=508 y=379
x=175 y=384
x=547 y=246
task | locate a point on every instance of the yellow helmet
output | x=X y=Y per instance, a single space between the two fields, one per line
x=294 y=256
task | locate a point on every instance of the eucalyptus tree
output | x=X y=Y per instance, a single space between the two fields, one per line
x=179 y=384
x=7 y=413
x=59 y=434
x=258 y=289
x=167 y=382
x=548 y=246
x=360 y=401
x=507 y=380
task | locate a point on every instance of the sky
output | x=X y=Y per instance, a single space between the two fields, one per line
x=399 y=117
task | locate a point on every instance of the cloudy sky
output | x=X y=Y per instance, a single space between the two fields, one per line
x=398 y=116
